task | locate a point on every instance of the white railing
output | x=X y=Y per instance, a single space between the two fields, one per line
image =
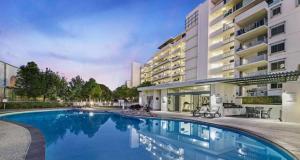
x=252 y=43
x=228 y=54
x=251 y=60
x=228 y=67
x=256 y=73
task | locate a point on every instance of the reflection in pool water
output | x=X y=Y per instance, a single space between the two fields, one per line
x=87 y=135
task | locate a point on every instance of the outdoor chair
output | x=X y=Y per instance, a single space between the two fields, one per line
x=266 y=113
x=258 y=111
x=200 y=111
x=213 y=113
x=250 y=112
x=195 y=112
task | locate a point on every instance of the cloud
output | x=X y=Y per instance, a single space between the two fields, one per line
x=88 y=50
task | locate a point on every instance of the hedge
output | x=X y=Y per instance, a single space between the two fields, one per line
x=32 y=105
x=268 y=100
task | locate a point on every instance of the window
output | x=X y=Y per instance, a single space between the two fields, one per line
x=297 y=3
x=279 y=65
x=191 y=20
x=276 y=86
x=278 y=29
x=276 y=11
x=278 y=47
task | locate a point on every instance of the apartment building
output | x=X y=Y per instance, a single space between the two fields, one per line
x=236 y=50
x=168 y=64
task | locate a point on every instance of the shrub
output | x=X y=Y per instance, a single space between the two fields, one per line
x=268 y=100
x=32 y=105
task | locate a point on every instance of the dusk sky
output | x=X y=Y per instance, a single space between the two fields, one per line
x=90 y=38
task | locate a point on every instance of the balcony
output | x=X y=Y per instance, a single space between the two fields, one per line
x=253 y=46
x=160 y=63
x=256 y=12
x=255 y=61
x=176 y=58
x=157 y=71
x=228 y=54
x=216 y=70
x=160 y=77
x=216 y=20
x=222 y=30
x=176 y=66
x=252 y=30
x=227 y=67
x=177 y=74
x=227 y=26
x=221 y=56
x=256 y=73
x=241 y=7
x=222 y=43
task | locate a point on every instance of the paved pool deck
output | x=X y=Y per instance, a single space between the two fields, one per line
x=284 y=134
x=14 y=141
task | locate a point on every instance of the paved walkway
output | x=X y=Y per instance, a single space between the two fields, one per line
x=284 y=134
x=14 y=141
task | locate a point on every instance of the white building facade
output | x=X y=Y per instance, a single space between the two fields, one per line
x=241 y=53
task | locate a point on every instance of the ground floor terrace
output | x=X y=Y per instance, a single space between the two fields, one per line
x=242 y=97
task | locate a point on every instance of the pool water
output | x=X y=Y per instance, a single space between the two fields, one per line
x=81 y=135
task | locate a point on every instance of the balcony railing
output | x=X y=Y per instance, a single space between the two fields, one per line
x=227 y=26
x=161 y=63
x=176 y=58
x=176 y=74
x=237 y=7
x=256 y=73
x=228 y=39
x=252 y=43
x=161 y=77
x=252 y=26
x=228 y=54
x=176 y=66
x=251 y=60
x=228 y=67
x=160 y=70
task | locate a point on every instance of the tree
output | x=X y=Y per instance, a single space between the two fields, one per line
x=51 y=82
x=76 y=85
x=106 y=93
x=28 y=82
x=91 y=90
x=64 y=90
x=145 y=84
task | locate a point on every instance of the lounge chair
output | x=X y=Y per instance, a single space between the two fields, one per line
x=214 y=112
x=200 y=111
x=250 y=112
x=266 y=113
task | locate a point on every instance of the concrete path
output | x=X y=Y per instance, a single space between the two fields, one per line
x=14 y=141
x=286 y=135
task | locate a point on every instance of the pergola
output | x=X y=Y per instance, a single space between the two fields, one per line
x=265 y=79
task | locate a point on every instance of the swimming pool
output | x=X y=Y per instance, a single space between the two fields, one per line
x=83 y=135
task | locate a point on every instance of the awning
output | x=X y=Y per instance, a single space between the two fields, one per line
x=265 y=79
x=244 y=81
